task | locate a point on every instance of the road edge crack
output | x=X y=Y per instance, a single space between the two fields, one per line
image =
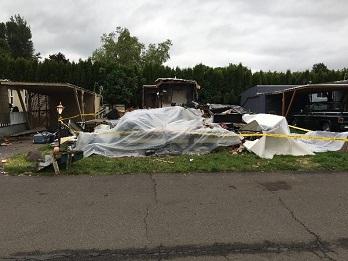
x=154 y=187
x=323 y=248
x=146 y=224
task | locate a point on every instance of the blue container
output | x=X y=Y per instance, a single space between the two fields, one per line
x=43 y=138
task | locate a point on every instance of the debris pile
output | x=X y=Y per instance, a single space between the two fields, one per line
x=178 y=130
x=169 y=130
x=5 y=142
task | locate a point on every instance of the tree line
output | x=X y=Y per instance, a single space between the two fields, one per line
x=122 y=64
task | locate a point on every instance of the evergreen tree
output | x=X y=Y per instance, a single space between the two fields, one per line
x=58 y=57
x=18 y=35
x=4 y=48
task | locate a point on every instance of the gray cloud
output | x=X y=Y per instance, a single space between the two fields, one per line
x=268 y=35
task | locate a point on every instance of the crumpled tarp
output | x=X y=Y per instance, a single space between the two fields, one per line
x=170 y=130
x=267 y=147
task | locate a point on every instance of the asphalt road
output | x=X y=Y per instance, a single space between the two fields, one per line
x=178 y=217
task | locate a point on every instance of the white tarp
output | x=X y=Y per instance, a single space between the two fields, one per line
x=267 y=147
x=170 y=130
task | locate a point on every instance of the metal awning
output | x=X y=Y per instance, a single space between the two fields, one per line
x=320 y=87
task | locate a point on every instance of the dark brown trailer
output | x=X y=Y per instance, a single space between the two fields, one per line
x=169 y=92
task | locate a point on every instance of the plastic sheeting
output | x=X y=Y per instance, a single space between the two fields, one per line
x=324 y=145
x=170 y=130
x=267 y=147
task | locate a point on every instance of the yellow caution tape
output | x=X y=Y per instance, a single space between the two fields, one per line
x=293 y=136
x=226 y=135
x=298 y=128
x=160 y=132
x=273 y=135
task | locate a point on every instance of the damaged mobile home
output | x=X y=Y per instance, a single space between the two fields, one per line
x=32 y=105
x=169 y=92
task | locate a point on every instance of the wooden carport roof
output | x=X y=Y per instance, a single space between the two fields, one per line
x=310 y=88
x=44 y=88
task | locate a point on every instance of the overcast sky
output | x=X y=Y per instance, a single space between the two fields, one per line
x=267 y=34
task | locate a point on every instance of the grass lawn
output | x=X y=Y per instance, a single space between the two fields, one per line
x=220 y=161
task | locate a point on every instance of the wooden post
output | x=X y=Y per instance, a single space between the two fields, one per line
x=55 y=166
x=39 y=107
x=83 y=105
x=21 y=100
x=283 y=104
x=47 y=123
x=78 y=103
x=290 y=104
x=4 y=108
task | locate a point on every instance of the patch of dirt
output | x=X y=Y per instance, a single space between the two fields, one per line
x=20 y=145
x=307 y=163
